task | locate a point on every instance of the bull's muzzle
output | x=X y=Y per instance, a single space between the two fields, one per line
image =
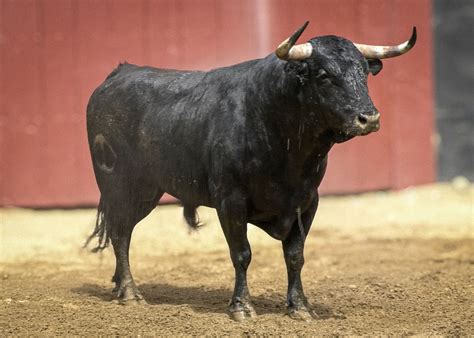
x=367 y=122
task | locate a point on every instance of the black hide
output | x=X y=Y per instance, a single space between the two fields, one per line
x=250 y=140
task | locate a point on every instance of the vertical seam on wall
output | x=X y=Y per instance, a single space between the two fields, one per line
x=262 y=24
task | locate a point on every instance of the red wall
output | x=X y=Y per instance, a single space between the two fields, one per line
x=53 y=53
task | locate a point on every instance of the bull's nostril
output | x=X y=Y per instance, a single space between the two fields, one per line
x=362 y=120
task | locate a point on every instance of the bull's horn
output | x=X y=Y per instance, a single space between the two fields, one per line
x=288 y=51
x=383 y=52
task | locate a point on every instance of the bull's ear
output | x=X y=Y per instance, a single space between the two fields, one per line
x=375 y=66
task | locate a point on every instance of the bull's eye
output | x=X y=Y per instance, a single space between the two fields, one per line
x=323 y=76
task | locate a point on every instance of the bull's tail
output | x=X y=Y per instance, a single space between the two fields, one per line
x=191 y=216
x=101 y=230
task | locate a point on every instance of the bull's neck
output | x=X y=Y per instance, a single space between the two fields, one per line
x=277 y=97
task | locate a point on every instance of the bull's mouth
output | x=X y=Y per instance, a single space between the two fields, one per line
x=365 y=132
x=347 y=133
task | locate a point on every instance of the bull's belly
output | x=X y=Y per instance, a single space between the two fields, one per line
x=189 y=190
x=189 y=186
x=175 y=171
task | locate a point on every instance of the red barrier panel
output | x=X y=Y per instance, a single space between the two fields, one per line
x=54 y=53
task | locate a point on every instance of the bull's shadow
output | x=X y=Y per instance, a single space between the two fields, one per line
x=201 y=299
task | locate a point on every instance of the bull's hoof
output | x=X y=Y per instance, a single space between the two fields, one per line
x=132 y=302
x=241 y=312
x=302 y=314
x=129 y=295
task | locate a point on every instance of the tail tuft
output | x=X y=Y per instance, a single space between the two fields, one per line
x=101 y=230
x=191 y=217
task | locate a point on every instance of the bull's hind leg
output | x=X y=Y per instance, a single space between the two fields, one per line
x=122 y=222
x=127 y=291
x=232 y=215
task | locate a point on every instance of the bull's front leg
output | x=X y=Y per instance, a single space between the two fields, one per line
x=293 y=247
x=232 y=216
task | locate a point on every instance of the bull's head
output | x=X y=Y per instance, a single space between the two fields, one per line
x=336 y=72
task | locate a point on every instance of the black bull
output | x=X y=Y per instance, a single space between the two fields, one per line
x=250 y=140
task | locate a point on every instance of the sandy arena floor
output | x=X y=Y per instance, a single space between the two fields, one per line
x=381 y=263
